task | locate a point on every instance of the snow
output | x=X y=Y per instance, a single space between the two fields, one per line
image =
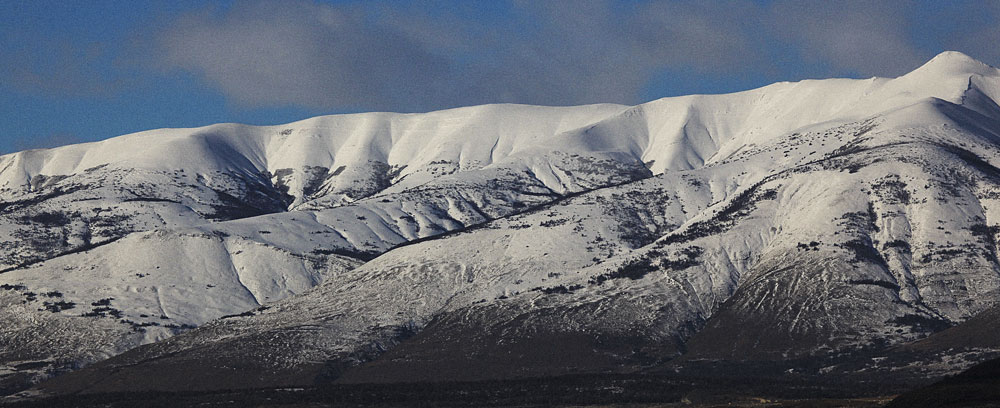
x=563 y=195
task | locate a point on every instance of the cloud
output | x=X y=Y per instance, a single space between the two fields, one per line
x=396 y=58
x=709 y=37
x=296 y=52
x=432 y=55
x=866 y=37
x=559 y=54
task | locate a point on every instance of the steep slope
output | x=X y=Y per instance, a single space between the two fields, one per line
x=59 y=200
x=835 y=239
x=209 y=270
x=799 y=220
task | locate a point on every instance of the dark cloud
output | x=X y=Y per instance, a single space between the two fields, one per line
x=297 y=52
x=717 y=38
x=395 y=58
x=430 y=55
x=865 y=37
x=560 y=53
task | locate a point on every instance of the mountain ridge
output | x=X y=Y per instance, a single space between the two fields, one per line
x=838 y=217
x=953 y=65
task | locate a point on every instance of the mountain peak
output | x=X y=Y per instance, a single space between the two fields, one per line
x=956 y=63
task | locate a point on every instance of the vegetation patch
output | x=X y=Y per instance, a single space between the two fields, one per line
x=638 y=269
x=860 y=221
x=102 y=302
x=812 y=246
x=892 y=189
x=350 y=253
x=247 y=313
x=922 y=323
x=49 y=219
x=863 y=251
x=104 y=312
x=942 y=255
x=898 y=244
x=558 y=290
x=553 y=223
x=974 y=161
x=102 y=308
x=884 y=284
x=58 y=306
x=739 y=207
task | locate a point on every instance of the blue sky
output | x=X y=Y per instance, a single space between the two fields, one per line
x=74 y=71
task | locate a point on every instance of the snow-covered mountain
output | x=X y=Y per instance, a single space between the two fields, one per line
x=819 y=221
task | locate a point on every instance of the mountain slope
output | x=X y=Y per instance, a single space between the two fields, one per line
x=796 y=221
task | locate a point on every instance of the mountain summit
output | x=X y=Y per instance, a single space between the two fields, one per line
x=954 y=63
x=823 y=229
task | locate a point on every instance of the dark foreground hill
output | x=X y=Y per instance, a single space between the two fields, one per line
x=978 y=386
x=579 y=390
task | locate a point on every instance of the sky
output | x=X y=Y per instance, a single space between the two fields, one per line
x=79 y=71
